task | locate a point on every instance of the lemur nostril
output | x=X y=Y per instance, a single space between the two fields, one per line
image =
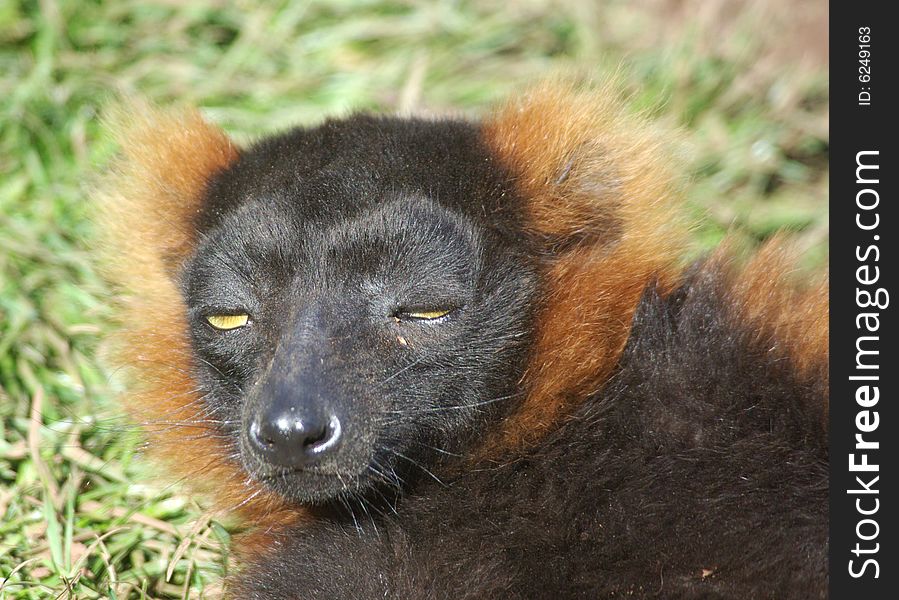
x=327 y=438
x=257 y=436
x=315 y=437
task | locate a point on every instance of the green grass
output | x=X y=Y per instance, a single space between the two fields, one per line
x=82 y=515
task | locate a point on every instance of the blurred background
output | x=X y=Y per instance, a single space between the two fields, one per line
x=80 y=515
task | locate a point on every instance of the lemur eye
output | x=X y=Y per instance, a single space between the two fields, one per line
x=226 y=322
x=424 y=315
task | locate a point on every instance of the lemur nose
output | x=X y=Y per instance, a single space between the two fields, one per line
x=291 y=439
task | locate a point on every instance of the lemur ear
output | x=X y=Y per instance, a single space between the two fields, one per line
x=148 y=203
x=590 y=171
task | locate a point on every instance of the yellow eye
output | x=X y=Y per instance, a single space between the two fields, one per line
x=226 y=322
x=428 y=315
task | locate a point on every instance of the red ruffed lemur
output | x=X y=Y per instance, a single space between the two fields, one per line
x=434 y=358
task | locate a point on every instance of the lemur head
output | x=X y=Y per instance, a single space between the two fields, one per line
x=357 y=298
x=338 y=307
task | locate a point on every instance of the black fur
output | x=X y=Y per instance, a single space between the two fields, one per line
x=699 y=471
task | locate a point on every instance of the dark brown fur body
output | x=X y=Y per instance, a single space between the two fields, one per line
x=695 y=473
x=663 y=435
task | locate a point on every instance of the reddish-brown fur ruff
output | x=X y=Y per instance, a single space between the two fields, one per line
x=146 y=212
x=601 y=194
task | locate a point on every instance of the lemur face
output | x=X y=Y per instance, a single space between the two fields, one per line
x=356 y=304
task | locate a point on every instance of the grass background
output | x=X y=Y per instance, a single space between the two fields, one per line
x=80 y=515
